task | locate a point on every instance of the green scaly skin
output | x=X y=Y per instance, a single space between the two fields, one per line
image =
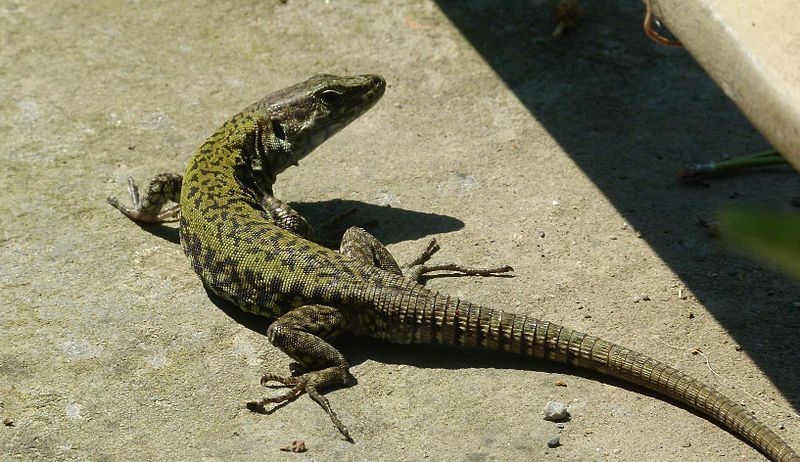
x=254 y=250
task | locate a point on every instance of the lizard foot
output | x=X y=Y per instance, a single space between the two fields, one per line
x=160 y=190
x=308 y=383
x=417 y=267
x=425 y=255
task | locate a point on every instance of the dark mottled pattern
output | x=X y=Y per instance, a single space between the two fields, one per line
x=250 y=248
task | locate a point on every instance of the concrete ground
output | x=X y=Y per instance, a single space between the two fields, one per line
x=557 y=157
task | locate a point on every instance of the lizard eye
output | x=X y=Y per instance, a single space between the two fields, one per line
x=331 y=97
x=277 y=129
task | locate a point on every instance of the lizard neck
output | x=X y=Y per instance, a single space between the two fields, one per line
x=221 y=168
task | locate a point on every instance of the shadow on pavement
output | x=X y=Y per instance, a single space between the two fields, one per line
x=630 y=113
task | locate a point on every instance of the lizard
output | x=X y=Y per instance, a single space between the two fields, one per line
x=254 y=250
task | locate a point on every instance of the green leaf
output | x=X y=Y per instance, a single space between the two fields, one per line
x=768 y=236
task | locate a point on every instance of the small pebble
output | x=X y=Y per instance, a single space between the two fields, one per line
x=554 y=443
x=555 y=411
x=296 y=446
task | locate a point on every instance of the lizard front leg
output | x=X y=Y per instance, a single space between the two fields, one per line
x=302 y=334
x=364 y=247
x=164 y=188
x=284 y=216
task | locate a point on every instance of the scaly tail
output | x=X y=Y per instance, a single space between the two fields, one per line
x=439 y=318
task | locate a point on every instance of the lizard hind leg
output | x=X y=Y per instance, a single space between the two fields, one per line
x=162 y=189
x=301 y=334
x=362 y=246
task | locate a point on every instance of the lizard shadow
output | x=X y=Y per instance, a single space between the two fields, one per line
x=164 y=231
x=246 y=319
x=388 y=224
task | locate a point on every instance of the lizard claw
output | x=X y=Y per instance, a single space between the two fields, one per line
x=298 y=385
x=423 y=256
x=304 y=383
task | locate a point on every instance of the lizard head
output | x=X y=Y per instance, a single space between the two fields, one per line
x=295 y=120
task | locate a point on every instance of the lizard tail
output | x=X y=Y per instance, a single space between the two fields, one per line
x=447 y=320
